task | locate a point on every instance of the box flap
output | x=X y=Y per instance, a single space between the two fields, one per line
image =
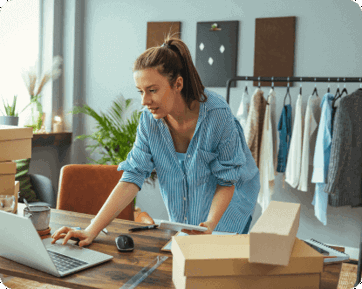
x=273 y=235
x=278 y=218
x=7 y=168
x=228 y=255
x=10 y=132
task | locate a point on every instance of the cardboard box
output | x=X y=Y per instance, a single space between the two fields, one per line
x=272 y=236
x=302 y=281
x=222 y=261
x=7 y=178
x=15 y=142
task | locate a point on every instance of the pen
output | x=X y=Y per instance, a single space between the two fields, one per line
x=143 y=228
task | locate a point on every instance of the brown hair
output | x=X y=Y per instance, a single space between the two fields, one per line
x=173 y=60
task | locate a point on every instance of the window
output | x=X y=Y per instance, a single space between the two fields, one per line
x=19 y=50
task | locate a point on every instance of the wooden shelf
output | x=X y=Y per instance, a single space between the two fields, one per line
x=59 y=139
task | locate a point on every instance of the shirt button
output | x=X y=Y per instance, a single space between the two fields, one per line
x=185 y=219
x=188 y=156
x=184 y=199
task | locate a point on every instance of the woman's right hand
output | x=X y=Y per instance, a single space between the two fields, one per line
x=84 y=236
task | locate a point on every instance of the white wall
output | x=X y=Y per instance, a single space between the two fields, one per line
x=328 y=41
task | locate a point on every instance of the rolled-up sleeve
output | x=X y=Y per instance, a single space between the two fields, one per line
x=139 y=163
x=228 y=163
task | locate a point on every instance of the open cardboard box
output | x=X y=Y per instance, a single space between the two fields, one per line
x=222 y=261
x=15 y=142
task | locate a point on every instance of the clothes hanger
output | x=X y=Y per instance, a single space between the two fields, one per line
x=272 y=79
x=259 y=82
x=246 y=85
x=329 y=88
x=315 y=88
x=340 y=94
x=288 y=93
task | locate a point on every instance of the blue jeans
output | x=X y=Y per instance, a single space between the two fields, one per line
x=247 y=226
x=285 y=134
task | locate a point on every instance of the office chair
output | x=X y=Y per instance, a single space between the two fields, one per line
x=84 y=188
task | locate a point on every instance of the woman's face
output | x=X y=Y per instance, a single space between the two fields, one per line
x=157 y=93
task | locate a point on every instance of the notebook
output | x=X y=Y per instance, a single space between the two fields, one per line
x=20 y=242
x=331 y=255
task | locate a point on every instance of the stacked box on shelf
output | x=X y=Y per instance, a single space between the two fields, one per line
x=15 y=144
x=223 y=261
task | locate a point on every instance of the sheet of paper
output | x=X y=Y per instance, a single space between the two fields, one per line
x=167 y=247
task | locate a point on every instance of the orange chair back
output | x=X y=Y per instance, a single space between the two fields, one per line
x=85 y=188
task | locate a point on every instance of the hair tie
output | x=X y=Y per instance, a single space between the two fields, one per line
x=165 y=44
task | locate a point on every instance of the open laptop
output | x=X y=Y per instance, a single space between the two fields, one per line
x=20 y=242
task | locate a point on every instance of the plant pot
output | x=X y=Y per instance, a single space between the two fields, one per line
x=9 y=120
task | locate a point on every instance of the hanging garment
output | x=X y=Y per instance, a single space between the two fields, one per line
x=254 y=124
x=345 y=169
x=311 y=120
x=267 y=171
x=273 y=117
x=321 y=159
x=285 y=133
x=292 y=171
x=242 y=114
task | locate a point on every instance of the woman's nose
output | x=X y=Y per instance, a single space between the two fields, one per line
x=146 y=99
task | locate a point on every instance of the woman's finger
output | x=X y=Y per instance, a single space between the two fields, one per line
x=58 y=234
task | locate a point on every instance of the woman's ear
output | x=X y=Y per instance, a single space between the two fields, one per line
x=179 y=83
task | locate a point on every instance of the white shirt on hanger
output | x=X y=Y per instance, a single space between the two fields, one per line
x=242 y=114
x=311 y=120
x=267 y=157
x=292 y=170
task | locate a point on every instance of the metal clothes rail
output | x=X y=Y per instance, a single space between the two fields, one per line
x=340 y=80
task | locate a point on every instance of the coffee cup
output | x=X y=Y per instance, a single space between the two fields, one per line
x=39 y=216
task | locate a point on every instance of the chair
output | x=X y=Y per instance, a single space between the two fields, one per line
x=85 y=188
x=44 y=191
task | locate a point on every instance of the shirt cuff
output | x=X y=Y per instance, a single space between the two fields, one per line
x=132 y=178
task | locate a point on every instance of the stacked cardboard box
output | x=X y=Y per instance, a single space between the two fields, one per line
x=223 y=261
x=15 y=144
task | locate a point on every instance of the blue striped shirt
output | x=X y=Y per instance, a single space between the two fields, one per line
x=217 y=154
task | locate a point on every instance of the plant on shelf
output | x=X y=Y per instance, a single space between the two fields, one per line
x=10 y=116
x=10 y=109
x=30 y=79
x=113 y=137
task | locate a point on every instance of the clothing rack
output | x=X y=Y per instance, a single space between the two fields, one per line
x=340 y=80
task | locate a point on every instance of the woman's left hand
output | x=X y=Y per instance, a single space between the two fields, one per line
x=208 y=224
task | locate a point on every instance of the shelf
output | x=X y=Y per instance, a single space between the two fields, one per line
x=59 y=139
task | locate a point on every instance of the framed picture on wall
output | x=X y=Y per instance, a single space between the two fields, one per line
x=216 y=52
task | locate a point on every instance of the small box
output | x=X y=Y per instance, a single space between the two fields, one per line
x=222 y=261
x=272 y=236
x=7 y=178
x=15 y=142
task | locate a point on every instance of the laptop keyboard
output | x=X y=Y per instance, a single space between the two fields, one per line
x=65 y=263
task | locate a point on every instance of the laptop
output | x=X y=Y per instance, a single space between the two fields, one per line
x=20 y=242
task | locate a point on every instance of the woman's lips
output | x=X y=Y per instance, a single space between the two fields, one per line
x=154 y=110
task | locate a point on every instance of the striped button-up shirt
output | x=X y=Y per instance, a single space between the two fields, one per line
x=217 y=154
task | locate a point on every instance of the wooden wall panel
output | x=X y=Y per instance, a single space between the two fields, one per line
x=274 y=48
x=157 y=32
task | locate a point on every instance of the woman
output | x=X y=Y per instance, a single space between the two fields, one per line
x=206 y=172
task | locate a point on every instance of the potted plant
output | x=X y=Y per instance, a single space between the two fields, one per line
x=10 y=117
x=113 y=138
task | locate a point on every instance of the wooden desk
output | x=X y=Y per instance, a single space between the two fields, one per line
x=124 y=266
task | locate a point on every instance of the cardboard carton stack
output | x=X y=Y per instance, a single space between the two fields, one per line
x=233 y=261
x=15 y=144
